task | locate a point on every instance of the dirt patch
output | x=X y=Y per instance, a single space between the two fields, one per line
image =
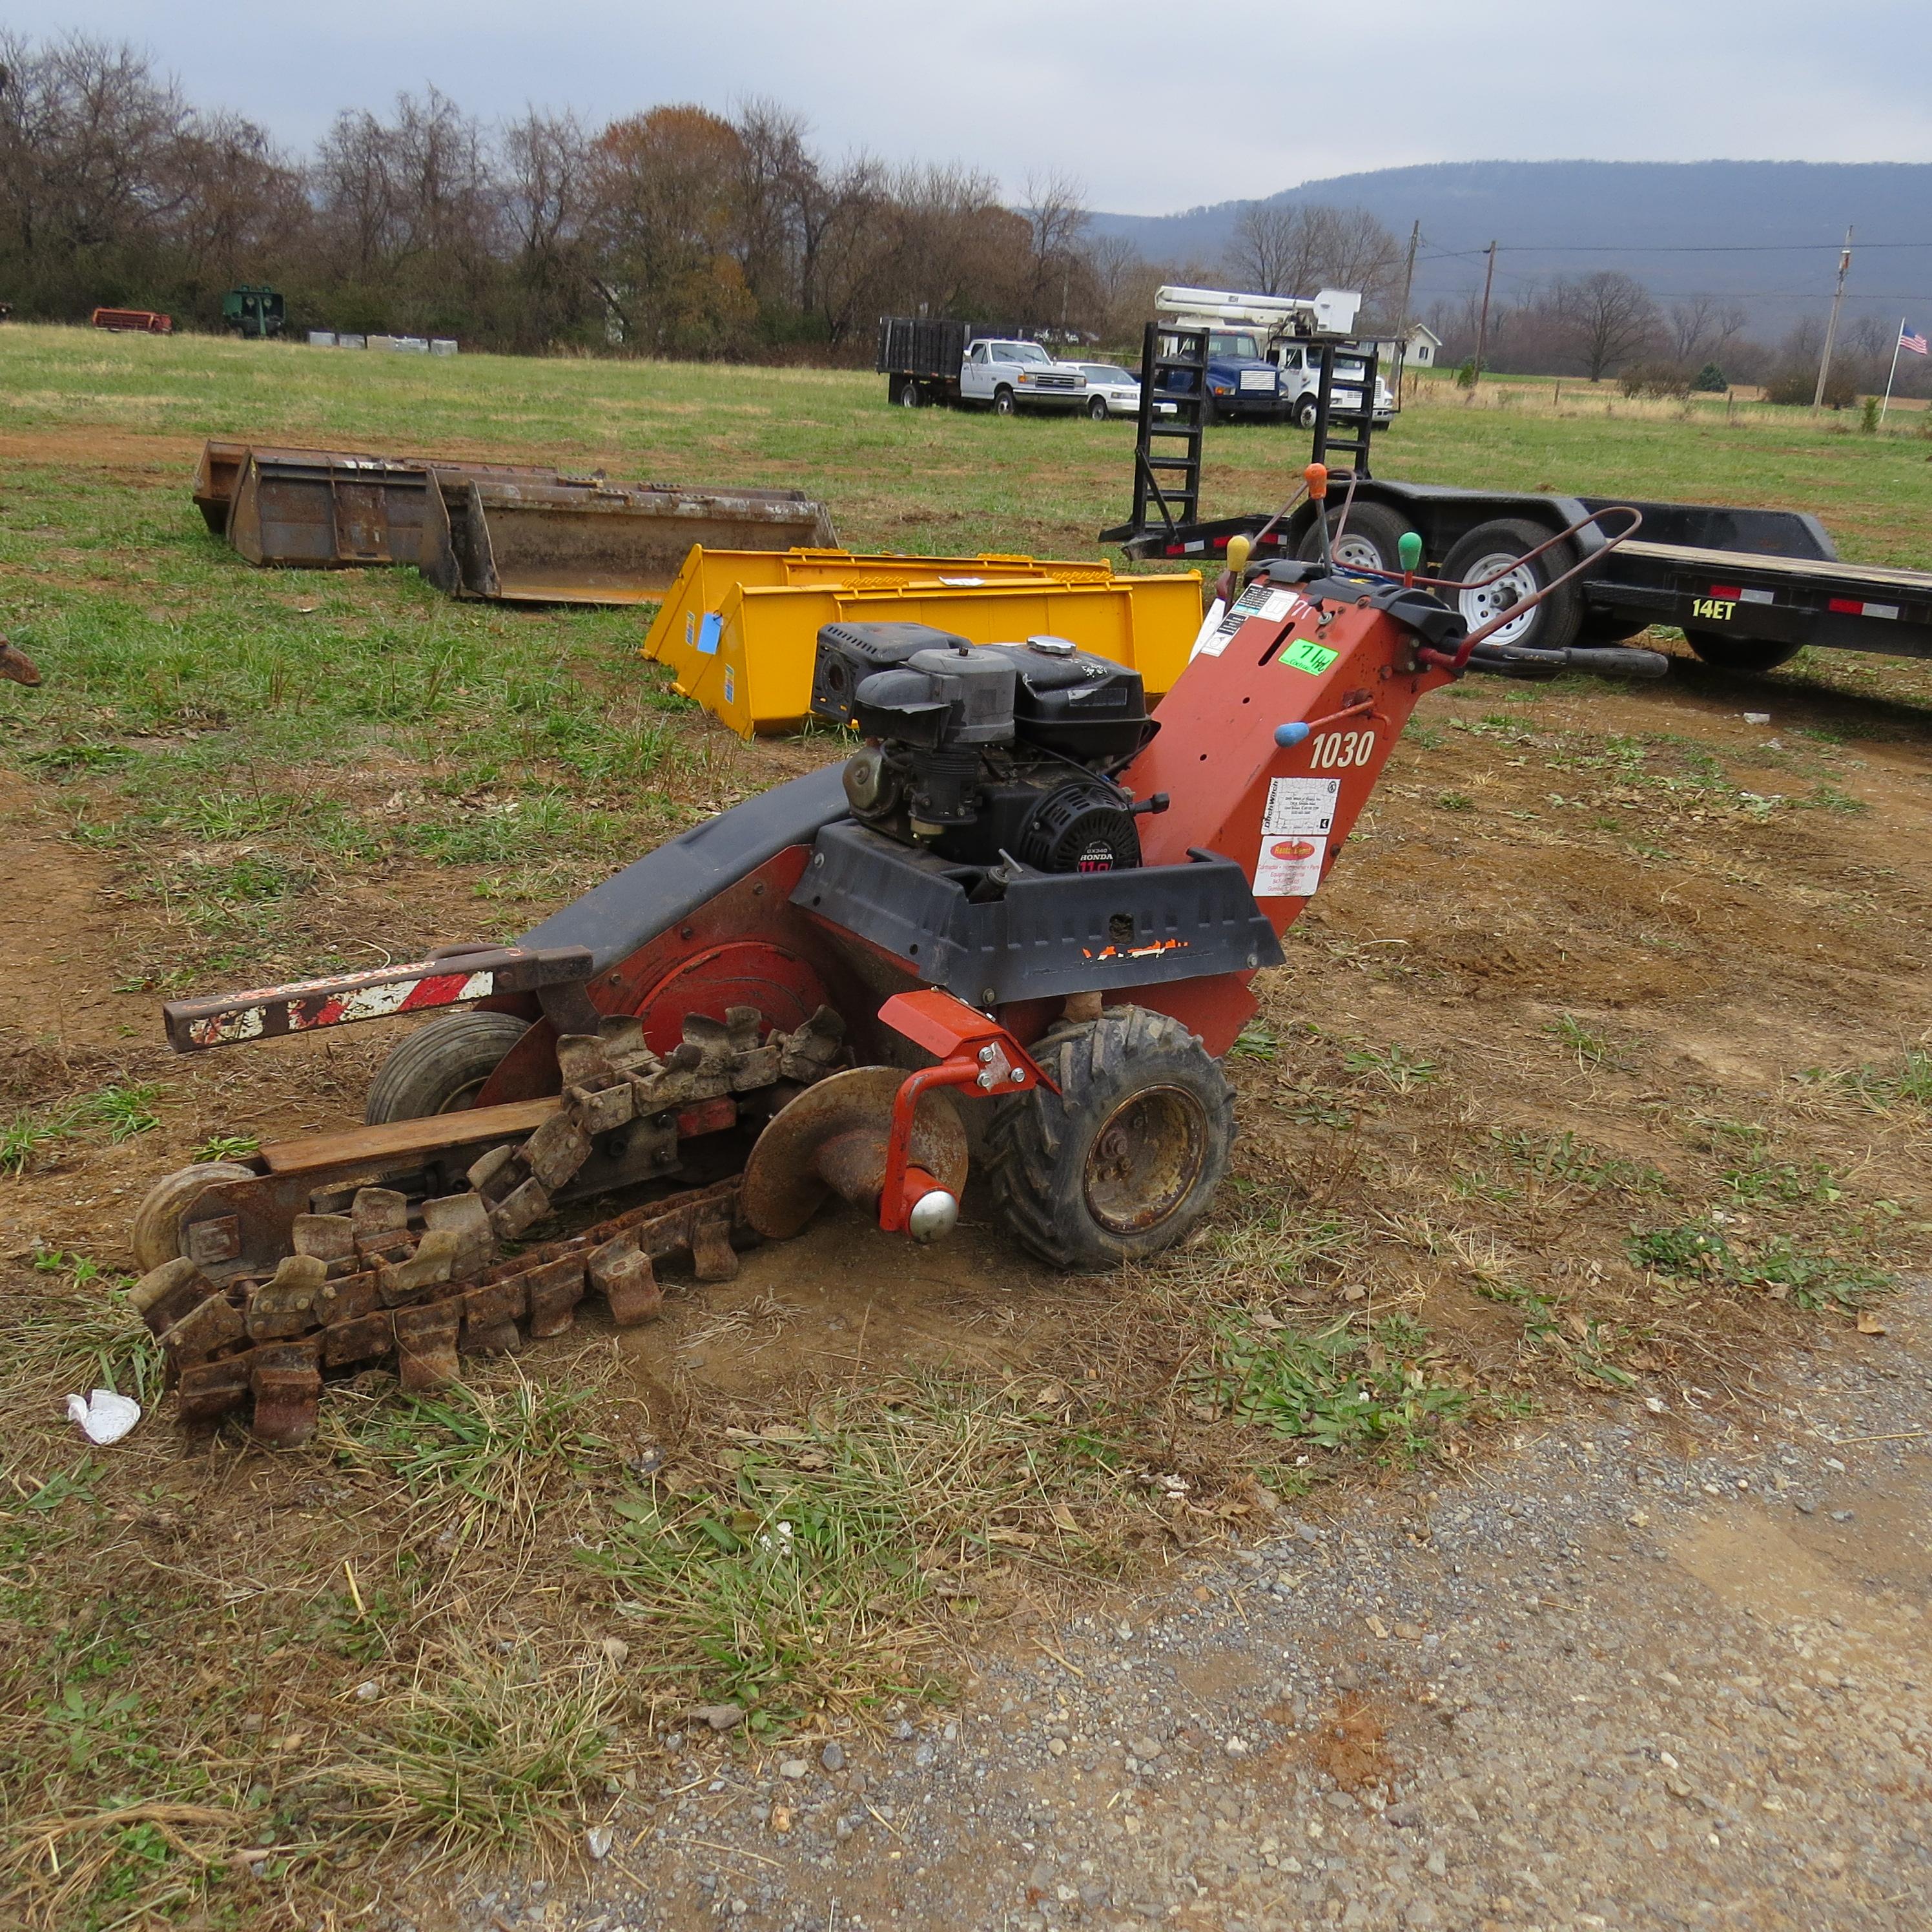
x=1351 y=1746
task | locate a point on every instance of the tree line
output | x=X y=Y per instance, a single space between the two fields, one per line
x=1609 y=325
x=679 y=231
x=673 y=231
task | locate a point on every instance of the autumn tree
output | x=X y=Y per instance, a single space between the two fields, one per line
x=666 y=218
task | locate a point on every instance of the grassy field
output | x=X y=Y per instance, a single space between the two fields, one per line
x=1600 y=1071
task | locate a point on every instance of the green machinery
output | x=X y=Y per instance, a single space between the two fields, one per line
x=256 y=311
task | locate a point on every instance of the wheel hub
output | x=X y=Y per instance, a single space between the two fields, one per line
x=1484 y=601
x=1358 y=553
x=1144 y=1160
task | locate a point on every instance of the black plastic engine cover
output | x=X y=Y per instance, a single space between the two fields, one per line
x=848 y=654
x=1044 y=934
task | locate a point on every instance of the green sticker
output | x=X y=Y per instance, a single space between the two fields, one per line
x=1304 y=654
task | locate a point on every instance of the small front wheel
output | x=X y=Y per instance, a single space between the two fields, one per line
x=1097 y=409
x=1123 y=1160
x=440 y=1068
x=1307 y=410
x=1003 y=404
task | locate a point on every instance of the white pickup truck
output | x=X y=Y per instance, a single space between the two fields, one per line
x=926 y=361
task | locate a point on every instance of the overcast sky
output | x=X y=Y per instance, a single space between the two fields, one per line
x=1149 y=117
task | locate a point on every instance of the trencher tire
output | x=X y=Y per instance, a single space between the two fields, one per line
x=1121 y=1162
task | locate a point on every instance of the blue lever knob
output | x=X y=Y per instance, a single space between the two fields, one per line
x=1285 y=735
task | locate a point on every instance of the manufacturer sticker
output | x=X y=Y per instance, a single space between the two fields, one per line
x=1289 y=867
x=730 y=686
x=1303 y=807
x=1267 y=601
x=1305 y=654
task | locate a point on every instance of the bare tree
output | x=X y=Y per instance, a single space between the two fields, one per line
x=545 y=185
x=88 y=137
x=238 y=203
x=1298 y=248
x=1701 y=329
x=1269 y=248
x=1056 y=214
x=1609 y=317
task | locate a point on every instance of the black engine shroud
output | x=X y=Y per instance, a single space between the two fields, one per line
x=984 y=752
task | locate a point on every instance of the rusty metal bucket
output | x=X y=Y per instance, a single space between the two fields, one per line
x=214 y=479
x=323 y=509
x=312 y=509
x=561 y=541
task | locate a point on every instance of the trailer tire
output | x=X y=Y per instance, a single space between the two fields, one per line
x=1552 y=625
x=1370 y=541
x=1122 y=1161
x=155 y=1237
x=1722 y=651
x=439 y=1068
x=1004 y=402
x=910 y=395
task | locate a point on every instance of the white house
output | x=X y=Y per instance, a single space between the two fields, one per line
x=1423 y=344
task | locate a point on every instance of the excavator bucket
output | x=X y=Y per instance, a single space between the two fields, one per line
x=214 y=479
x=741 y=633
x=322 y=509
x=561 y=541
x=518 y=532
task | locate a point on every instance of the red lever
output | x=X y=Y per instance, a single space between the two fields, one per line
x=977 y=1055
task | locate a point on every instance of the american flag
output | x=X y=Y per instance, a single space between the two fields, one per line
x=1910 y=339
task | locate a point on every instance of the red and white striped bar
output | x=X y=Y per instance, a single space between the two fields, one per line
x=447 y=979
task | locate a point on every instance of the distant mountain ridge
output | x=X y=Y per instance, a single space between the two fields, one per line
x=1724 y=228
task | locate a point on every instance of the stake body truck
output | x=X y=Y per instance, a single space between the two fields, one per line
x=926 y=361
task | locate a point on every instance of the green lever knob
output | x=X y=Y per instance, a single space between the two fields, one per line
x=1409 y=551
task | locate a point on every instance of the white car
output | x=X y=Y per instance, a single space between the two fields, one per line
x=1114 y=391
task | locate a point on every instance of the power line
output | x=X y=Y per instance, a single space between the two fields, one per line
x=1662 y=248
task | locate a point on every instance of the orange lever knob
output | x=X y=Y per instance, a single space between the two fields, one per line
x=1316 y=474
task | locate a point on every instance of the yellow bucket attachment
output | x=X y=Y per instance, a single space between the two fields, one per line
x=739 y=628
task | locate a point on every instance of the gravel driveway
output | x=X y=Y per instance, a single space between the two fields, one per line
x=1650 y=1669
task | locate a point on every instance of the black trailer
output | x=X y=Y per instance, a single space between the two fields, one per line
x=919 y=357
x=1748 y=588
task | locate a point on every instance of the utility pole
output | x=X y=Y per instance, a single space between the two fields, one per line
x=1483 y=327
x=1402 y=321
x=1831 y=327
